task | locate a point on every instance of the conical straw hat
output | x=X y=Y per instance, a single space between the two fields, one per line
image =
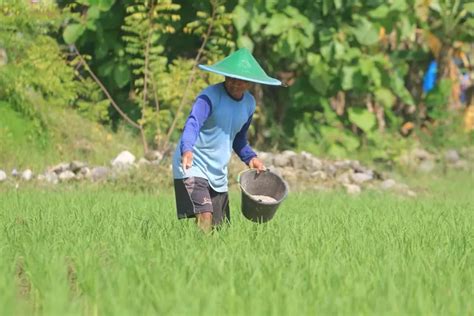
x=242 y=65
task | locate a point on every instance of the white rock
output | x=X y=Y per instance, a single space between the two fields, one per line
x=124 y=158
x=3 y=176
x=63 y=166
x=76 y=166
x=27 y=175
x=85 y=172
x=426 y=166
x=411 y=193
x=100 y=173
x=352 y=189
x=153 y=155
x=387 y=184
x=344 y=178
x=281 y=160
x=66 y=176
x=15 y=173
x=51 y=177
x=421 y=154
x=451 y=156
x=319 y=175
x=361 y=177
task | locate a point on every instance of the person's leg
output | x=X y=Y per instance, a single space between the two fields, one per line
x=204 y=221
x=220 y=208
x=193 y=200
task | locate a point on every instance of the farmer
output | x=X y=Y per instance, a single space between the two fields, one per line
x=217 y=124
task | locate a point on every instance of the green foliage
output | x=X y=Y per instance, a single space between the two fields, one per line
x=360 y=50
x=437 y=99
x=147 y=25
x=345 y=61
x=70 y=136
x=452 y=20
x=91 y=103
x=35 y=76
x=219 y=40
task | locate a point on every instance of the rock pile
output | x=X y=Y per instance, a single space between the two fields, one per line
x=78 y=170
x=302 y=171
x=305 y=171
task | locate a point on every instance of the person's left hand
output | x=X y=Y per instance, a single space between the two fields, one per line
x=256 y=163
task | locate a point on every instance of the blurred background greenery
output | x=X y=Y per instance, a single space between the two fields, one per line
x=90 y=76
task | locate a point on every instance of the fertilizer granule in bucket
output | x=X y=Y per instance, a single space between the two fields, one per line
x=264 y=198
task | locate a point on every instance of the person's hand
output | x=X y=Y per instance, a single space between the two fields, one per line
x=187 y=160
x=256 y=163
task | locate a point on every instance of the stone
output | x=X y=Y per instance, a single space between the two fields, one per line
x=15 y=173
x=360 y=178
x=312 y=163
x=297 y=161
x=344 y=178
x=153 y=155
x=330 y=170
x=355 y=164
x=411 y=193
x=124 y=159
x=421 y=154
x=426 y=166
x=342 y=165
x=27 y=175
x=51 y=177
x=319 y=175
x=352 y=189
x=63 y=166
x=281 y=160
x=99 y=173
x=76 y=166
x=451 y=156
x=387 y=184
x=86 y=172
x=3 y=176
x=66 y=176
x=267 y=158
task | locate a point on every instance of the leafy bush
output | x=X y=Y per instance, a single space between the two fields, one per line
x=35 y=76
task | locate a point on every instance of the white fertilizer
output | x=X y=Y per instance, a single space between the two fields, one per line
x=264 y=198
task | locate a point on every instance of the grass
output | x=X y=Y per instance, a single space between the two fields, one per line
x=88 y=252
x=68 y=137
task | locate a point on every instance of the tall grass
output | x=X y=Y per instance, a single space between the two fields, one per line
x=106 y=253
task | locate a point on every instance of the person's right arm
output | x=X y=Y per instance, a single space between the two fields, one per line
x=200 y=111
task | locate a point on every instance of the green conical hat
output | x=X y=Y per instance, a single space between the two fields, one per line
x=242 y=65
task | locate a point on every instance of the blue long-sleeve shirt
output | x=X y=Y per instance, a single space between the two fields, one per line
x=200 y=112
x=216 y=126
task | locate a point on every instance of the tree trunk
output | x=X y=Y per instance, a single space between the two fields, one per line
x=448 y=70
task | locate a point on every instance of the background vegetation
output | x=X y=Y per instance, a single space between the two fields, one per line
x=354 y=68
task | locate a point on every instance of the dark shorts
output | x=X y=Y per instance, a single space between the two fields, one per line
x=194 y=195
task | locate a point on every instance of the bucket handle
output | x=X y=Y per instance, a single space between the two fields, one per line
x=238 y=176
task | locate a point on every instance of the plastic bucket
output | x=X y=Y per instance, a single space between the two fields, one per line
x=255 y=187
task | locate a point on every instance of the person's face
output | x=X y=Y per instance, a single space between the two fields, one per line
x=236 y=87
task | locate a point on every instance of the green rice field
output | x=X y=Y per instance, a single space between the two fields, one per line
x=81 y=251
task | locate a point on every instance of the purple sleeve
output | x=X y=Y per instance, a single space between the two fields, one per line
x=200 y=111
x=241 y=146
